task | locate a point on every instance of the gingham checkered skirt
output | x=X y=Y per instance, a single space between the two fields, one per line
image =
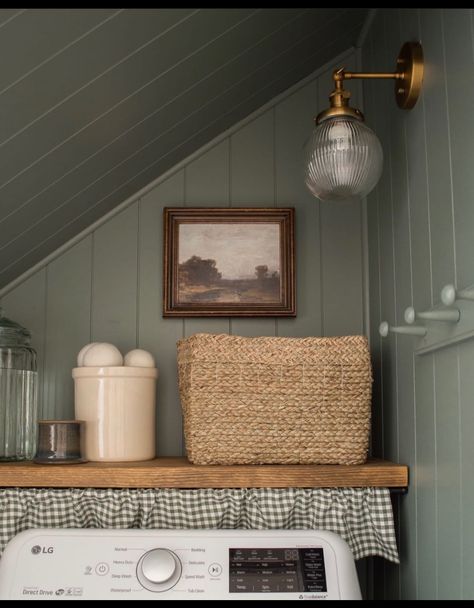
x=362 y=516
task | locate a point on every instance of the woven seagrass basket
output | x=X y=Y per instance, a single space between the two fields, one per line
x=275 y=400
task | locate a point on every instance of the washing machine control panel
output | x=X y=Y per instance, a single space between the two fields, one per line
x=177 y=564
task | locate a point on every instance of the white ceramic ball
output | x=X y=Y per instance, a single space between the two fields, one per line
x=139 y=358
x=82 y=352
x=103 y=354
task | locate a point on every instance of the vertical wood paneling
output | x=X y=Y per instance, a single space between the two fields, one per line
x=293 y=125
x=207 y=185
x=114 y=276
x=156 y=334
x=252 y=164
x=252 y=176
x=341 y=251
x=69 y=326
x=401 y=223
x=415 y=159
x=457 y=30
x=341 y=262
x=427 y=421
x=27 y=305
x=388 y=285
x=374 y=293
x=448 y=474
x=466 y=357
x=207 y=178
x=387 y=262
x=437 y=152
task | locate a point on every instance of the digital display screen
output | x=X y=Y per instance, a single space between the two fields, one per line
x=286 y=570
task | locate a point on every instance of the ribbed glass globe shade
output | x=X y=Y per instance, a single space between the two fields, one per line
x=343 y=159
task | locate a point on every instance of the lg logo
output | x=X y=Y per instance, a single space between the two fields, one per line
x=36 y=549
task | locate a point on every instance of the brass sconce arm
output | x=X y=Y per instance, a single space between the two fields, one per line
x=408 y=80
x=349 y=75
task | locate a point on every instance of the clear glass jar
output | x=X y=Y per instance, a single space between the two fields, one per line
x=18 y=392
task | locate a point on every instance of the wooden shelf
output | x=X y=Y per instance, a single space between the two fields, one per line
x=179 y=473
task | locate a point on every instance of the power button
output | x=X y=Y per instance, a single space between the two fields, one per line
x=102 y=568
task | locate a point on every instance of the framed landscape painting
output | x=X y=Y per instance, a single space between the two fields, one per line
x=232 y=262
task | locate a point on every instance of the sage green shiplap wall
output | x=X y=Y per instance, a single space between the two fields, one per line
x=421 y=236
x=107 y=286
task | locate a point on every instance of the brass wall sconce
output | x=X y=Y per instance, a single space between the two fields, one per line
x=344 y=157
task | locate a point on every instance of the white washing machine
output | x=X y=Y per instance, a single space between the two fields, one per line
x=87 y=564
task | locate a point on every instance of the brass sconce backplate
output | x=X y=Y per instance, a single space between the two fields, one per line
x=410 y=75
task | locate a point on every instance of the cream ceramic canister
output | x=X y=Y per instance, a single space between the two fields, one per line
x=118 y=407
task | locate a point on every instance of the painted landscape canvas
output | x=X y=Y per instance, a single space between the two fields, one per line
x=234 y=263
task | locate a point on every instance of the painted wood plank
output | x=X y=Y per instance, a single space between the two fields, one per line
x=341 y=252
x=68 y=326
x=207 y=178
x=149 y=162
x=398 y=165
x=26 y=305
x=381 y=126
x=403 y=399
x=36 y=35
x=417 y=191
x=114 y=281
x=427 y=503
x=437 y=152
x=387 y=277
x=7 y=14
x=448 y=475
x=185 y=96
x=466 y=391
x=341 y=269
x=373 y=270
x=293 y=125
x=459 y=57
x=179 y=473
x=86 y=104
x=156 y=334
x=97 y=58
x=207 y=184
x=416 y=276
x=252 y=165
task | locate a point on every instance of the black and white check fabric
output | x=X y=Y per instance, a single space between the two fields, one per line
x=362 y=516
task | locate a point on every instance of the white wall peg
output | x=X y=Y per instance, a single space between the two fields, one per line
x=449 y=294
x=409 y=330
x=451 y=316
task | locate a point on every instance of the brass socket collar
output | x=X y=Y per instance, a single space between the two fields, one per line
x=340 y=111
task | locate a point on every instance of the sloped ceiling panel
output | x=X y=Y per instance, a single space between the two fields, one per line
x=96 y=103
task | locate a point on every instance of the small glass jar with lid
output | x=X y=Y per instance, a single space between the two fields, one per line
x=18 y=392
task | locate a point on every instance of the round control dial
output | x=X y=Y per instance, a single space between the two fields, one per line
x=159 y=570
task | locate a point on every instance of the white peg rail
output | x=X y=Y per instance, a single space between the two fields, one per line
x=409 y=330
x=450 y=316
x=449 y=294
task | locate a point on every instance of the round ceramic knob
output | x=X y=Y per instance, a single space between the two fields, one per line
x=159 y=570
x=383 y=329
x=448 y=295
x=410 y=315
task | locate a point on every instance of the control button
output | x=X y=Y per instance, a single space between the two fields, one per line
x=215 y=569
x=158 y=566
x=159 y=570
x=102 y=568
